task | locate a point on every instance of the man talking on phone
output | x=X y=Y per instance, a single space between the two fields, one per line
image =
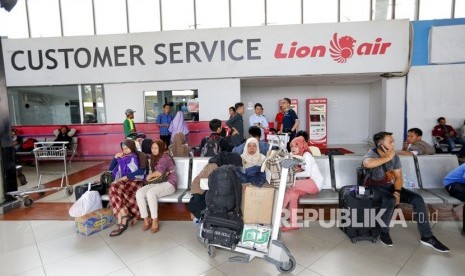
x=384 y=175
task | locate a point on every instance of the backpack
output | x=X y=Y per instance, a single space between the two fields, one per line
x=212 y=147
x=224 y=190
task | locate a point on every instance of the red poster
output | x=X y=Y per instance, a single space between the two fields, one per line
x=317 y=123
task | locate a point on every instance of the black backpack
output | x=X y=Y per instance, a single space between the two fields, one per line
x=224 y=190
x=211 y=147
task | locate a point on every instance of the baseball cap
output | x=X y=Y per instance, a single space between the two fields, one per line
x=129 y=111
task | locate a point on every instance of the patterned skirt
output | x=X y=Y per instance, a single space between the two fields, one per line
x=123 y=197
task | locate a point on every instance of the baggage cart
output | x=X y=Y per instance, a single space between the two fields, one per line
x=46 y=151
x=277 y=254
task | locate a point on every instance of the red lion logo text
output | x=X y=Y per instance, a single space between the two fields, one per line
x=341 y=49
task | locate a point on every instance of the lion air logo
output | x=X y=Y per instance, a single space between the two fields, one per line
x=342 y=49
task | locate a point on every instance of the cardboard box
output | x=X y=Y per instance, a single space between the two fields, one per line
x=256 y=236
x=95 y=221
x=257 y=204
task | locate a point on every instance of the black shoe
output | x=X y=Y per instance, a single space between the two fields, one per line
x=435 y=244
x=385 y=239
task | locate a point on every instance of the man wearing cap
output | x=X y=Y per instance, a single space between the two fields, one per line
x=163 y=121
x=128 y=124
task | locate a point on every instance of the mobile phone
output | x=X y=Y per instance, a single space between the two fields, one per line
x=380 y=146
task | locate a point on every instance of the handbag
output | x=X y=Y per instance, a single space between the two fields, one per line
x=162 y=178
x=274 y=169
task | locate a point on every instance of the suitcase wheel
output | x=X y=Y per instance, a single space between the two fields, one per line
x=353 y=240
x=211 y=251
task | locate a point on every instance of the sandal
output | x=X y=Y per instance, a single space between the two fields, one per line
x=155 y=227
x=120 y=227
x=147 y=224
x=133 y=220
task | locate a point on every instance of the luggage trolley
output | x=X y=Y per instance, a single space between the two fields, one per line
x=46 y=151
x=278 y=254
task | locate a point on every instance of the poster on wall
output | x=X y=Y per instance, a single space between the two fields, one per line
x=317 y=125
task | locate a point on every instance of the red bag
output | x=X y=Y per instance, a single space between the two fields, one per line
x=28 y=144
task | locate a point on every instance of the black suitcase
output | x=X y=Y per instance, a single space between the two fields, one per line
x=223 y=229
x=358 y=206
x=96 y=186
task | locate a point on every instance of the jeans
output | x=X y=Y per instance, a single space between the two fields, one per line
x=451 y=141
x=457 y=190
x=384 y=194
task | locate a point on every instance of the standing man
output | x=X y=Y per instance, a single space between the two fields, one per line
x=290 y=120
x=384 y=175
x=128 y=124
x=454 y=182
x=236 y=124
x=447 y=134
x=259 y=120
x=163 y=121
x=414 y=145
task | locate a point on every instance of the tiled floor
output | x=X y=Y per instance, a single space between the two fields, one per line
x=54 y=248
x=36 y=246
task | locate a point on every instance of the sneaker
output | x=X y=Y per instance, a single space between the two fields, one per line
x=385 y=239
x=435 y=244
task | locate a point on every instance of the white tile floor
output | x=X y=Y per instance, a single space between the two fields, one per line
x=54 y=248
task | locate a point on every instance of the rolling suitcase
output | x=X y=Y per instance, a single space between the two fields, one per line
x=359 y=215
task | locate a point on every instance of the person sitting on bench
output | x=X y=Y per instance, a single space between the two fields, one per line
x=454 y=182
x=64 y=134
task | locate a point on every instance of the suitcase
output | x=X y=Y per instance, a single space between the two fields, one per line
x=96 y=186
x=358 y=205
x=224 y=229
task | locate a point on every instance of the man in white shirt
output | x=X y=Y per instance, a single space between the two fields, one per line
x=259 y=120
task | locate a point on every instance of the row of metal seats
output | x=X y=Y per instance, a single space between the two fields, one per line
x=422 y=174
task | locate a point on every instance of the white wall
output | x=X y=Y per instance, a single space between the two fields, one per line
x=348 y=107
x=435 y=91
x=394 y=108
x=215 y=97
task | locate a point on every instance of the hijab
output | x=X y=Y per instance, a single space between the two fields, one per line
x=179 y=147
x=178 y=125
x=140 y=155
x=251 y=160
x=301 y=144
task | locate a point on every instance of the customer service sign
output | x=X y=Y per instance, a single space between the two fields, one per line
x=292 y=50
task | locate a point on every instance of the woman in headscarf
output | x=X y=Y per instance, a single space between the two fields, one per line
x=178 y=125
x=251 y=155
x=179 y=147
x=161 y=182
x=128 y=170
x=308 y=180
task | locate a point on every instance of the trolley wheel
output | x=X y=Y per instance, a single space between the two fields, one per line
x=42 y=193
x=289 y=267
x=353 y=240
x=69 y=190
x=28 y=202
x=211 y=251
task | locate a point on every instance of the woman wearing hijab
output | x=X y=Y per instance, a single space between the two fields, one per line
x=179 y=147
x=308 y=180
x=128 y=170
x=251 y=155
x=161 y=182
x=178 y=125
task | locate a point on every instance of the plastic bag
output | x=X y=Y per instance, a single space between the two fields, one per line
x=87 y=203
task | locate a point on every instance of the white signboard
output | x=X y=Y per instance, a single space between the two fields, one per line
x=291 y=50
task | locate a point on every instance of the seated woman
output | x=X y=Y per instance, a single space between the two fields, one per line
x=64 y=134
x=251 y=156
x=17 y=140
x=179 y=147
x=308 y=180
x=129 y=170
x=178 y=125
x=163 y=167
